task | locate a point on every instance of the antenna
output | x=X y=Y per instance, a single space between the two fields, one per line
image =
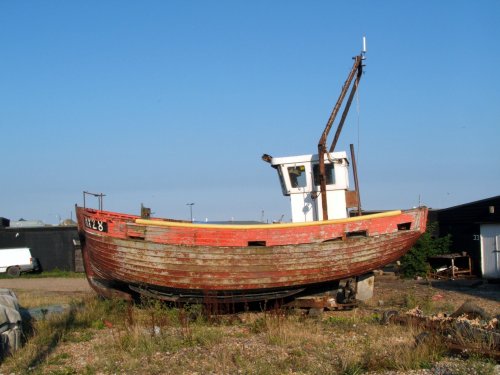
x=363 y=51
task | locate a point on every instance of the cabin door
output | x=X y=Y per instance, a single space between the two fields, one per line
x=490 y=250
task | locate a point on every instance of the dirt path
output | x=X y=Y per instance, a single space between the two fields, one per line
x=50 y=284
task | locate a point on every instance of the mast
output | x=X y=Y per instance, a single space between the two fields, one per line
x=356 y=71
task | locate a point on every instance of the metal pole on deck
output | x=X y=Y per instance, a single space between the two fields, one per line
x=355 y=173
x=190 y=210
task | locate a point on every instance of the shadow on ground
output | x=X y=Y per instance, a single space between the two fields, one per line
x=473 y=287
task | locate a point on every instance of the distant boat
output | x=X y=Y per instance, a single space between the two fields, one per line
x=126 y=255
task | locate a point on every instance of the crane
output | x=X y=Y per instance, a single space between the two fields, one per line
x=355 y=74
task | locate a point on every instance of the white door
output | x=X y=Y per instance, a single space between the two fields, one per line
x=490 y=250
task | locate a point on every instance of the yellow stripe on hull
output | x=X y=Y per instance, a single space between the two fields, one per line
x=266 y=226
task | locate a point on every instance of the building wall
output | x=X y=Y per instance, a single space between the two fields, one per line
x=54 y=247
x=463 y=223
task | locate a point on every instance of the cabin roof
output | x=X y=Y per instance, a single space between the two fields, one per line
x=306 y=158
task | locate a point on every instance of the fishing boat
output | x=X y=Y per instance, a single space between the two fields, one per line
x=328 y=239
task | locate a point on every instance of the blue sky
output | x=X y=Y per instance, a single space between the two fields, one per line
x=171 y=102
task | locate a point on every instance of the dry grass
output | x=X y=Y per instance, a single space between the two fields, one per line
x=106 y=337
x=31 y=299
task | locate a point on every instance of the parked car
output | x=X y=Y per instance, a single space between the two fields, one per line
x=17 y=260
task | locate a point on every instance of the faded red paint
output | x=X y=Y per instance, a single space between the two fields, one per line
x=194 y=258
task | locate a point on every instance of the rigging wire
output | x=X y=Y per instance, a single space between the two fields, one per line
x=358 y=127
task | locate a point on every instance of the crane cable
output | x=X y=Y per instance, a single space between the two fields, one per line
x=358 y=111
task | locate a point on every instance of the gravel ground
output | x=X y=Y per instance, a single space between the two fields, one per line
x=389 y=292
x=446 y=293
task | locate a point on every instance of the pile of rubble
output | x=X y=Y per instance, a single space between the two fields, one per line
x=467 y=330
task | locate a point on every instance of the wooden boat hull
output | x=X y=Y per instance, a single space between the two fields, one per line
x=177 y=261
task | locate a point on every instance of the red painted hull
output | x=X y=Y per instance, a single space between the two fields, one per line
x=171 y=260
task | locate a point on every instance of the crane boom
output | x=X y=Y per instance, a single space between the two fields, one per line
x=356 y=71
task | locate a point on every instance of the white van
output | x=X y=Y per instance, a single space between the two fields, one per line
x=17 y=260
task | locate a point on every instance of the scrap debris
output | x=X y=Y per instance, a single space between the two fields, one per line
x=451 y=266
x=468 y=330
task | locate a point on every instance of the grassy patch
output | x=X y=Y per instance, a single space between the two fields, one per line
x=46 y=274
x=29 y=299
x=54 y=273
x=110 y=336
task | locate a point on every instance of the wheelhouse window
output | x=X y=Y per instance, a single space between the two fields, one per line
x=329 y=172
x=297 y=176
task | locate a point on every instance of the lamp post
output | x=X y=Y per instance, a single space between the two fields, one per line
x=190 y=210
